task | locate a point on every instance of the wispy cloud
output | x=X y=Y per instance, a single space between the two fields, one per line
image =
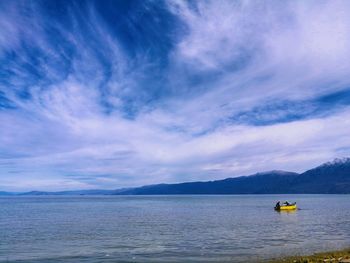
x=128 y=93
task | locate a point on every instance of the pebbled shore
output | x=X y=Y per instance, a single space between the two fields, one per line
x=339 y=256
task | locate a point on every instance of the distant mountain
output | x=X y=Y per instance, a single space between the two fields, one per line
x=76 y=192
x=328 y=178
x=2 y=193
x=273 y=182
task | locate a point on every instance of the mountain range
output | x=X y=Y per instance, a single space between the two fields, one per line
x=328 y=178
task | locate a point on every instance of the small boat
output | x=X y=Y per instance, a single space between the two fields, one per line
x=286 y=206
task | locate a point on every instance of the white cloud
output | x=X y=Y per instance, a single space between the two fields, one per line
x=302 y=46
x=63 y=138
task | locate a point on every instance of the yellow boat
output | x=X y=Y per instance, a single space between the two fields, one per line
x=286 y=207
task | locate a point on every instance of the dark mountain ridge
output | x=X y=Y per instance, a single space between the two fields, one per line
x=268 y=182
x=328 y=178
x=6 y=193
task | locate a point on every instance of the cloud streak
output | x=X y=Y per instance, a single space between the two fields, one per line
x=113 y=94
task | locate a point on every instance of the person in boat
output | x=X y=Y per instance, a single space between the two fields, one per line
x=278 y=205
x=286 y=203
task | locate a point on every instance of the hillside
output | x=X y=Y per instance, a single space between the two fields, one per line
x=273 y=182
x=328 y=178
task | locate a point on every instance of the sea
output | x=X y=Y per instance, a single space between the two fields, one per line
x=184 y=228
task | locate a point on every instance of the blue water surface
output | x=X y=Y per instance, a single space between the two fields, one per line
x=231 y=228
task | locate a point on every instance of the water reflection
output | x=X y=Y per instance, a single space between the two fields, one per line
x=286 y=211
x=169 y=228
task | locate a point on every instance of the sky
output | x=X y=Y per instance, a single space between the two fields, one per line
x=111 y=94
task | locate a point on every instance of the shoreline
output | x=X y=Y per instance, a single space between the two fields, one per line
x=334 y=256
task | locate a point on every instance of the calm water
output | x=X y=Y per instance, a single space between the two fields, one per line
x=169 y=228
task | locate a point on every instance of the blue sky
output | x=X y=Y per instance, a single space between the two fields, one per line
x=109 y=94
